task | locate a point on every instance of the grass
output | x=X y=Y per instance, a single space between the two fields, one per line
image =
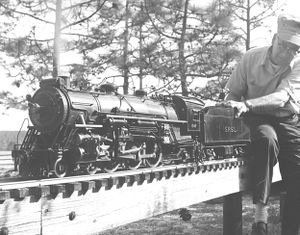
x=207 y=219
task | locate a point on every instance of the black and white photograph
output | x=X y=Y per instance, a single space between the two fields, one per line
x=149 y=117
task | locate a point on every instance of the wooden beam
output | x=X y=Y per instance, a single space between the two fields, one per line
x=95 y=206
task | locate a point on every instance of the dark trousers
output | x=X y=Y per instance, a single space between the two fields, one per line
x=276 y=140
x=291 y=212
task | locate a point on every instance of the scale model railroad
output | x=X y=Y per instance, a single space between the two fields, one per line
x=18 y=188
x=75 y=131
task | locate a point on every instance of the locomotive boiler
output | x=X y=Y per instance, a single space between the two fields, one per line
x=74 y=131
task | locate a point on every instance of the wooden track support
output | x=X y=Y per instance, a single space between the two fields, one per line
x=89 y=207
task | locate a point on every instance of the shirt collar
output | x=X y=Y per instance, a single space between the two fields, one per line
x=265 y=58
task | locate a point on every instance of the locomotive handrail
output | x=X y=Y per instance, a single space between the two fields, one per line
x=147 y=119
x=122 y=97
x=21 y=129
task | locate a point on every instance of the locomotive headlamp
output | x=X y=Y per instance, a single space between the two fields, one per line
x=31 y=104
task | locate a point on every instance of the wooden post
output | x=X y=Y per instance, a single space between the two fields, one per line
x=232 y=214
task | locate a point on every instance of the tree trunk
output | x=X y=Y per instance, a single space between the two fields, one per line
x=125 y=55
x=141 y=54
x=248 y=36
x=182 y=62
x=57 y=46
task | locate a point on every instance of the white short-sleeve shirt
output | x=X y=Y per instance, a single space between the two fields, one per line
x=256 y=76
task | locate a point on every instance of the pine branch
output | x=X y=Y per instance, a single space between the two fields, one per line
x=86 y=18
x=26 y=14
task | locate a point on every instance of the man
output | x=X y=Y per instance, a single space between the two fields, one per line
x=265 y=86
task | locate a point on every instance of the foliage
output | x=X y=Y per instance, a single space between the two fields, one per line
x=122 y=41
x=251 y=14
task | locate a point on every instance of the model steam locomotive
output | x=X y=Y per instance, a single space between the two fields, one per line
x=75 y=131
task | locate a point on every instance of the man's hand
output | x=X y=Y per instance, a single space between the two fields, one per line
x=239 y=107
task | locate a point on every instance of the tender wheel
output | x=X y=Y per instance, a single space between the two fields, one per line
x=91 y=169
x=156 y=160
x=61 y=168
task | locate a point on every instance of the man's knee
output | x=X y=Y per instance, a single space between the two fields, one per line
x=265 y=145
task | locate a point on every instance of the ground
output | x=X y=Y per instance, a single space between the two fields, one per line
x=207 y=218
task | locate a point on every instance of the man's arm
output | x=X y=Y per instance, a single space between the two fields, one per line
x=261 y=105
x=287 y=92
x=268 y=103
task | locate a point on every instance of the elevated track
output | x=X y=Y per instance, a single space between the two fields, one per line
x=91 y=204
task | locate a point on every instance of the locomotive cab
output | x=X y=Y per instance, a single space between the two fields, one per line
x=189 y=109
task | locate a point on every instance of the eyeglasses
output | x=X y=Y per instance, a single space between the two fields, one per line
x=289 y=47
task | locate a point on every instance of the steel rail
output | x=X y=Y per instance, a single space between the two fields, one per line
x=18 y=183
